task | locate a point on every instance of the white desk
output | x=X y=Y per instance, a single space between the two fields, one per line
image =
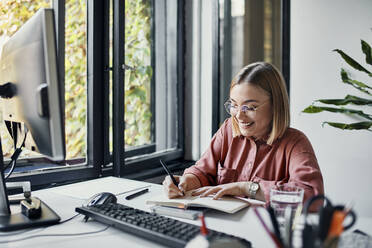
x=63 y=201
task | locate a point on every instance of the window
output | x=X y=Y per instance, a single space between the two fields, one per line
x=250 y=31
x=138 y=77
x=75 y=78
x=121 y=64
x=152 y=84
x=138 y=73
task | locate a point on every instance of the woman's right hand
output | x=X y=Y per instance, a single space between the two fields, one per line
x=185 y=183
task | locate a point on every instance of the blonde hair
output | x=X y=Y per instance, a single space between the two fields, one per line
x=268 y=78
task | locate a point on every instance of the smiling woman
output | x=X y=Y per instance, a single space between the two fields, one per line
x=254 y=149
x=263 y=81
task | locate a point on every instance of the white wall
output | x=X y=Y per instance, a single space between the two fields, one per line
x=345 y=157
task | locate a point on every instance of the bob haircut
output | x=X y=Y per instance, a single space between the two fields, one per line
x=269 y=78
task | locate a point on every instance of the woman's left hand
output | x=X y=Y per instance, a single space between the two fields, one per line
x=238 y=188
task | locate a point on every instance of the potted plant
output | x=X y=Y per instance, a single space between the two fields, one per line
x=338 y=104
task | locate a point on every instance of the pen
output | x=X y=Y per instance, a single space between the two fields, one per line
x=169 y=173
x=272 y=235
x=130 y=197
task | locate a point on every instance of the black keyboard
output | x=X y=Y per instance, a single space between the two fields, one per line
x=160 y=229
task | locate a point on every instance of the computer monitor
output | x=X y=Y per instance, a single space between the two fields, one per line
x=29 y=62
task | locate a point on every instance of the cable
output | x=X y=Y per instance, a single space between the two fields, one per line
x=64 y=221
x=6 y=166
x=21 y=232
x=54 y=235
x=15 y=156
x=40 y=228
x=11 y=169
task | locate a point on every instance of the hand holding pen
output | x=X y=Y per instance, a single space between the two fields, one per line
x=182 y=184
x=171 y=183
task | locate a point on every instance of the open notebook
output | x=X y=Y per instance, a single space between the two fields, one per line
x=225 y=204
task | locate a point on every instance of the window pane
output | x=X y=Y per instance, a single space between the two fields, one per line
x=250 y=31
x=151 y=98
x=13 y=14
x=139 y=73
x=75 y=78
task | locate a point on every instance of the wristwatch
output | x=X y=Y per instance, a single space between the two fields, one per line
x=252 y=190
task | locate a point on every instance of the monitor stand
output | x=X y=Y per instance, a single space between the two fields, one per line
x=16 y=221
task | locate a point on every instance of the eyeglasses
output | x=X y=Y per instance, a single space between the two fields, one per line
x=233 y=109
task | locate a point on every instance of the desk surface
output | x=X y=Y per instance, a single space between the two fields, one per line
x=64 y=199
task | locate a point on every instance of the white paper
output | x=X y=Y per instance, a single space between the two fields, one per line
x=85 y=190
x=226 y=204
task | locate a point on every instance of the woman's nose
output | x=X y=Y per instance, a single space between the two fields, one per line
x=240 y=113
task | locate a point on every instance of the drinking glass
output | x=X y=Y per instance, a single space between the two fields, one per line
x=287 y=202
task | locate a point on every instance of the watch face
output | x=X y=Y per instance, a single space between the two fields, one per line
x=254 y=186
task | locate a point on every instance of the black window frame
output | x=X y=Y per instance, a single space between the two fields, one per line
x=123 y=165
x=99 y=162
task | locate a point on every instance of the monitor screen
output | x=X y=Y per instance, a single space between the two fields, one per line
x=29 y=61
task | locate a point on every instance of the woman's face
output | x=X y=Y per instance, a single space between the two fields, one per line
x=255 y=121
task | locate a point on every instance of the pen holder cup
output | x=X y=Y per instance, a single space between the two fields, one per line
x=332 y=221
x=349 y=216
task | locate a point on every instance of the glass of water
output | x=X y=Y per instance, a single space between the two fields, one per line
x=287 y=202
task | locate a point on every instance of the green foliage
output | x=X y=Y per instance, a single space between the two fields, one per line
x=352 y=126
x=349 y=99
x=75 y=78
x=138 y=115
x=138 y=75
x=14 y=13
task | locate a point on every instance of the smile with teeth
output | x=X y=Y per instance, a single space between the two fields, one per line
x=245 y=124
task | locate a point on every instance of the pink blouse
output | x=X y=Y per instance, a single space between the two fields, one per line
x=289 y=160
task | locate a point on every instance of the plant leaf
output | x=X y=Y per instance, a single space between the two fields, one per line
x=317 y=109
x=349 y=99
x=356 y=84
x=352 y=62
x=367 y=51
x=312 y=109
x=364 y=125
